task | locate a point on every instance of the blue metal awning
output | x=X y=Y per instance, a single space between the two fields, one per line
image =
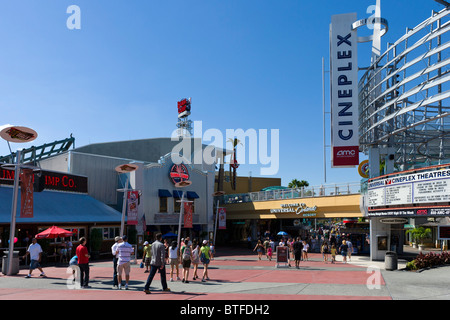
x=59 y=207
x=164 y=193
x=177 y=193
x=192 y=195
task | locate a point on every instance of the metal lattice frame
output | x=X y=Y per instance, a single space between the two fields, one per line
x=405 y=96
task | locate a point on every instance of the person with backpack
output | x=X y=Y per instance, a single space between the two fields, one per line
x=186 y=254
x=205 y=259
x=195 y=257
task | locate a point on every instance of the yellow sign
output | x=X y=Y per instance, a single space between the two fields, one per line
x=363 y=169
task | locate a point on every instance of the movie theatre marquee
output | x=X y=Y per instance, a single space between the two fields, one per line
x=419 y=188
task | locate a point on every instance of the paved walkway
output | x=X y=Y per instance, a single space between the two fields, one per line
x=238 y=275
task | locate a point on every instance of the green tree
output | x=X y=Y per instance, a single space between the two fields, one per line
x=298 y=183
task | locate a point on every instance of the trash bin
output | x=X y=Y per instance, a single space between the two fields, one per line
x=15 y=263
x=390 y=260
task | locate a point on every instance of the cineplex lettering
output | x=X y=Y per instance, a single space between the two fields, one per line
x=410 y=178
x=296 y=208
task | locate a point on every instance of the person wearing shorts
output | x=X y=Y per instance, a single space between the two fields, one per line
x=35 y=252
x=123 y=263
x=205 y=259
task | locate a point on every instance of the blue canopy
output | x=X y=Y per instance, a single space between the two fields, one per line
x=282 y=233
x=170 y=235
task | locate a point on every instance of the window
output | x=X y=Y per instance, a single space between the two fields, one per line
x=176 y=205
x=162 y=204
x=110 y=233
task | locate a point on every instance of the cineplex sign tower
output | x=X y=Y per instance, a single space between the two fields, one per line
x=399 y=119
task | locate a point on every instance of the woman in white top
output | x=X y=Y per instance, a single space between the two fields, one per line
x=174 y=260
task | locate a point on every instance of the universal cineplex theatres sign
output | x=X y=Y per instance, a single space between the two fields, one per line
x=423 y=192
x=297 y=208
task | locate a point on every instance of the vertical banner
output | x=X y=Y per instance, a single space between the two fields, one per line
x=344 y=91
x=26 y=193
x=187 y=215
x=222 y=218
x=132 y=218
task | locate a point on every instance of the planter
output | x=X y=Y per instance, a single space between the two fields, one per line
x=421 y=247
x=414 y=245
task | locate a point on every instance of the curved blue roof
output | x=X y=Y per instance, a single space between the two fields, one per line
x=60 y=207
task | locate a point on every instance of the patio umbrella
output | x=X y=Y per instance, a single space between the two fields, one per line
x=170 y=235
x=282 y=233
x=54 y=232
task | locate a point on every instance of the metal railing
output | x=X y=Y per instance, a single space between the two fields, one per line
x=295 y=193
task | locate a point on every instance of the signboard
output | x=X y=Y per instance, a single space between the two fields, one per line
x=18 y=134
x=344 y=91
x=26 y=193
x=417 y=188
x=222 y=218
x=282 y=255
x=443 y=232
x=51 y=180
x=132 y=218
x=187 y=223
x=178 y=173
x=184 y=108
x=410 y=212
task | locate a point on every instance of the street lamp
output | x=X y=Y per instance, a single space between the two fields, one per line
x=181 y=184
x=20 y=135
x=125 y=168
x=217 y=194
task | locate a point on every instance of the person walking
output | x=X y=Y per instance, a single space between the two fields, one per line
x=83 y=263
x=324 y=250
x=350 y=249
x=333 y=253
x=205 y=259
x=147 y=256
x=157 y=263
x=118 y=240
x=174 y=259
x=195 y=257
x=259 y=248
x=305 y=250
x=343 y=250
x=35 y=252
x=125 y=250
x=297 y=248
x=186 y=255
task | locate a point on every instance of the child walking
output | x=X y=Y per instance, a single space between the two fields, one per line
x=333 y=253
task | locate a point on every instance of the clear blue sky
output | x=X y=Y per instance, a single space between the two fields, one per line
x=245 y=63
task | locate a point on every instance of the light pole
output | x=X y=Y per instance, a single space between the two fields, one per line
x=181 y=184
x=125 y=168
x=217 y=194
x=15 y=134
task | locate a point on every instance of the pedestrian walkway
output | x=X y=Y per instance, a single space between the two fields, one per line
x=238 y=275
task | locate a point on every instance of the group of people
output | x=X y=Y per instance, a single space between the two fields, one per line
x=299 y=249
x=155 y=257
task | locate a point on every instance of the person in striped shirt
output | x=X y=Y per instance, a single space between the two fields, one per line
x=124 y=250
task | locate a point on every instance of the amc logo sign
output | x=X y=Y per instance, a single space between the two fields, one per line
x=345 y=156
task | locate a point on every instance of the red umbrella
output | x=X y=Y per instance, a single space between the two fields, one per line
x=54 y=232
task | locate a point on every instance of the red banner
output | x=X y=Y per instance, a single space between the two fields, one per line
x=187 y=215
x=222 y=218
x=26 y=194
x=132 y=218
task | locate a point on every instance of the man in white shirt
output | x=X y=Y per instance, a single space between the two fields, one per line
x=35 y=252
x=124 y=250
x=115 y=258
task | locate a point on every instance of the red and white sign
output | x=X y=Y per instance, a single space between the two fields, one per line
x=222 y=218
x=133 y=207
x=345 y=156
x=18 y=134
x=26 y=193
x=344 y=91
x=188 y=219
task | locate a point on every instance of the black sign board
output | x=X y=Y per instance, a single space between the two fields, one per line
x=50 y=180
x=444 y=232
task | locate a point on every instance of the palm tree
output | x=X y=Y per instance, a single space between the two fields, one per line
x=298 y=184
x=233 y=163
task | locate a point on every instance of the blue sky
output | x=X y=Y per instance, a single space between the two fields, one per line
x=249 y=64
